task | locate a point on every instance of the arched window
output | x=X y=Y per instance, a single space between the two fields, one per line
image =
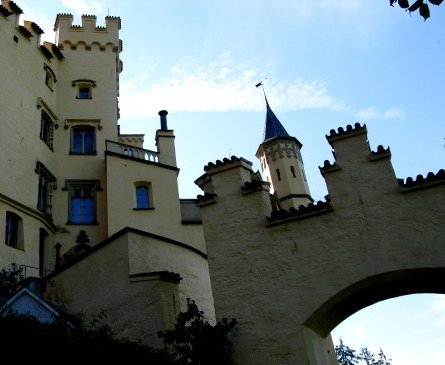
x=83 y=140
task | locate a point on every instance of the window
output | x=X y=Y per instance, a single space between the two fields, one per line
x=84 y=92
x=278 y=174
x=47 y=183
x=293 y=171
x=143 y=195
x=83 y=140
x=84 y=88
x=14 y=230
x=50 y=77
x=46 y=129
x=82 y=201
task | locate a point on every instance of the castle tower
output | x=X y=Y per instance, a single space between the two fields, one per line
x=282 y=165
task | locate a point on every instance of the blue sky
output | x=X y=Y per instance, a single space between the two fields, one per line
x=327 y=63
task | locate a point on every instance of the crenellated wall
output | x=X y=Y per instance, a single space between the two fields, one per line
x=290 y=276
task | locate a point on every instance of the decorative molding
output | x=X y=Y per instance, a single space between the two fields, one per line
x=95 y=122
x=83 y=81
x=41 y=104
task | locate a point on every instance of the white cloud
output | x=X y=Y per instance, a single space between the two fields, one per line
x=373 y=113
x=221 y=85
x=393 y=113
x=95 y=7
x=368 y=113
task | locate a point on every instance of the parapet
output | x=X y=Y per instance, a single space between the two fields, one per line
x=421 y=182
x=350 y=131
x=88 y=33
x=29 y=30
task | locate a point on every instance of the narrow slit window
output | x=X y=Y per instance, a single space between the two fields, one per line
x=293 y=171
x=278 y=174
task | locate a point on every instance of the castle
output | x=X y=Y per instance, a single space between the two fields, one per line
x=100 y=219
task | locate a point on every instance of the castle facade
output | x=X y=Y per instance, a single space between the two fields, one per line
x=99 y=218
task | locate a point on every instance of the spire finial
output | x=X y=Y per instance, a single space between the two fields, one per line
x=272 y=128
x=262 y=86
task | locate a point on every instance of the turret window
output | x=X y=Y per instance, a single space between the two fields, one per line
x=278 y=174
x=292 y=170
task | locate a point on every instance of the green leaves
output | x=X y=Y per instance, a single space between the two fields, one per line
x=195 y=341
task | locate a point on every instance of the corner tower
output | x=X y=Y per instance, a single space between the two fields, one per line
x=282 y=165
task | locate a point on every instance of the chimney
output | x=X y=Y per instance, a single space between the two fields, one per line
x=163 y=115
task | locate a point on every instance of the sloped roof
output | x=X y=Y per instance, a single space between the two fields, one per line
x=272 y=126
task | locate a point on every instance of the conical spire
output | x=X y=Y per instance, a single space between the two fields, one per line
x=272 y=127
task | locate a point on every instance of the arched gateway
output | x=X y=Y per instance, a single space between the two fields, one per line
x=290 y=276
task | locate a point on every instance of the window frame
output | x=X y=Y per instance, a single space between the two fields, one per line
x=93 y=186
x=147 y=185
x=50 y=77
x=84 y=84
x=75 y=129
x=47 y=184
x=48 y=138
x=14 y=230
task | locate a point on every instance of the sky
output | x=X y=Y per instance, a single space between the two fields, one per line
x=324 y=64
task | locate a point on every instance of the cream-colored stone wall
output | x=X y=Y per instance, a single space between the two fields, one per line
x=290 y=282
x=117 y=277
x=23 y=96
x=28 y=253
x=164 y=216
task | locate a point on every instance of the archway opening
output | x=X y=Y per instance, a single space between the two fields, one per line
x=409 y=329
x=390 y=287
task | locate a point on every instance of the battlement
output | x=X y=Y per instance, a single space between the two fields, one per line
x=350 y=131
x=88 y=32
x=421 y=182
x=283 y=216
x=29 y=31
x=12 y=7
x=358 y=177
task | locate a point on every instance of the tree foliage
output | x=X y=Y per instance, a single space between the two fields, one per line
x=414 y=5
x=10 y=280
x=195 y=341
x=26 y=340
x=349 y=356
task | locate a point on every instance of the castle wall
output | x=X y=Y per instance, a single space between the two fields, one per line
x=164 y=215
x=290 y=277
x=24 y=94
x=134 y=277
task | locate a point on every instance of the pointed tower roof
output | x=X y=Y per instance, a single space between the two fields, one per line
x=272 y=127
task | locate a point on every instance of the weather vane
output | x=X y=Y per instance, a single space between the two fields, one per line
x=262 y=86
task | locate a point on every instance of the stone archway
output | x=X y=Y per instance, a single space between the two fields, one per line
x=373 y=290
